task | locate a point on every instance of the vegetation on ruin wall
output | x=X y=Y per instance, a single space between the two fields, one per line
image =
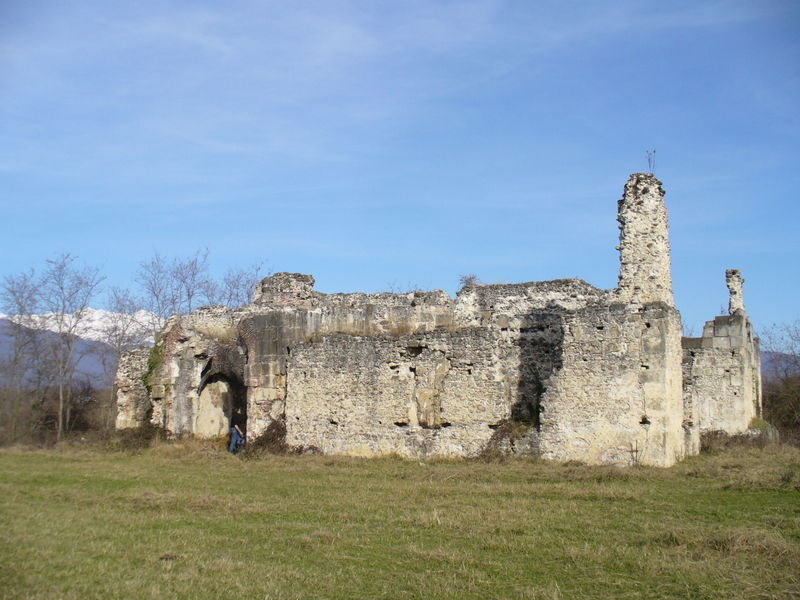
x=187 y=520
x=154 y=362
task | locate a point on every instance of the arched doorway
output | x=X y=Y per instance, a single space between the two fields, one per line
x=219 y=396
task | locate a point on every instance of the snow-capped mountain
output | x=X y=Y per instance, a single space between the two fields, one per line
x=98 y=325
x=99 y=332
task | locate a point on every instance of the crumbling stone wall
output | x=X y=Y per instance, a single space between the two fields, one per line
x=271 y=331
x=735 y=283
x=421 y=395
x=132 y=397
x=447 y=392
x=618 y=395
x=618 y=399
x=645 y=273
x=196 y=350
x=722 y=369
x=558 y=369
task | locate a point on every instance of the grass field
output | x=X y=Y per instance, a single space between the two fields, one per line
x=190 y=521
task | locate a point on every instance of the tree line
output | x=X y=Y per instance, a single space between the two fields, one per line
x=781 y=383
x=43 y=390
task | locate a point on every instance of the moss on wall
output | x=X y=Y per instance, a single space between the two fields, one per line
x=154 y=362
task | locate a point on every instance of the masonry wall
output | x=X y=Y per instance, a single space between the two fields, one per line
x=722 y=374
x=645 y=273
x=132 y=396
x=192 y=351
x=245 y=351
x=618 y=396
x=603 y=383
x=277 y=325
x=423 y=395
x=460 y=390
x=557 y=369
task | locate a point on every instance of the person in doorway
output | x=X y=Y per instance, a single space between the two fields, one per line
x=237 y=435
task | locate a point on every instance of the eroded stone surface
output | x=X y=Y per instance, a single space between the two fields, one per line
x=735 y=283
x=722 y=369
x=132 y=396
x=558 y=369
x=645 y=274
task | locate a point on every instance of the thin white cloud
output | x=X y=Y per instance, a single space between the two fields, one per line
x=305 y=82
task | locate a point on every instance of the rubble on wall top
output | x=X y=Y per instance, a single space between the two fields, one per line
x=284 y=286
x=296 y=289
x=644 y=178
x=433 y=297
x=572 y=286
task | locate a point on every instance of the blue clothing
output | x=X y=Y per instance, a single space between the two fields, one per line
x=236 y=441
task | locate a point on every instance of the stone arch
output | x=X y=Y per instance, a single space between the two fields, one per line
x=218 y=395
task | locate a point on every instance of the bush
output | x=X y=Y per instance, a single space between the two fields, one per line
x=273 y=441
x=133 y=440
x=782 y=406
x=714 y=442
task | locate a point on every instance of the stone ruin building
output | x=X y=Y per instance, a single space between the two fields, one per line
x=556 y=369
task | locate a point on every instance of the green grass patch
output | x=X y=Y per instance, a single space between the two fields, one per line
x=190 y=521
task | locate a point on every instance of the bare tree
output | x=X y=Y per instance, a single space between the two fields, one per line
x=783 y=344
x=192 y=280
x=160 y=290
x=468 y=280
x=66 y=291
x=124 y=332
x=180 y=285
x=238 y=285
x=781 y=355
x=28 y=375
x=19 y=298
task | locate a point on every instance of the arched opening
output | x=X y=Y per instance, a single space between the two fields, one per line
x=219 y=397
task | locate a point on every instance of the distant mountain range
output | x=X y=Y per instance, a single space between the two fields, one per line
x=96 y=324
x=93 y=332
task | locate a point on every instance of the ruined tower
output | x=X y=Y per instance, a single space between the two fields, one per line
x=722 y=369
x=645 y=273
x=735 y=281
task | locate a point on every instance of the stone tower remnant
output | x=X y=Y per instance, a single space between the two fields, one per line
x=722 y=369
x=645 y=273
x=735 y=282
x=557 y=369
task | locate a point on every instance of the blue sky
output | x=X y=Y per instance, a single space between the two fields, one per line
x=381 y=144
